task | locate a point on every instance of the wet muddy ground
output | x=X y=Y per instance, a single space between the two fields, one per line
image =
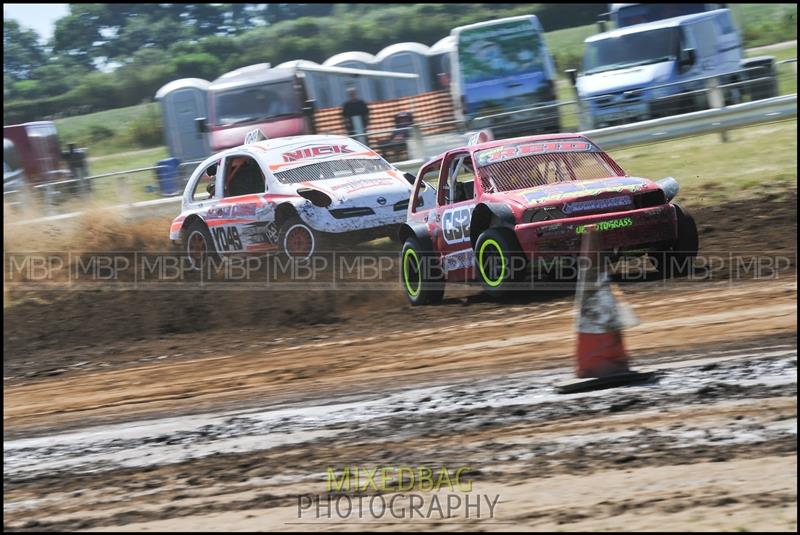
x=116 y=419
x=726 y=406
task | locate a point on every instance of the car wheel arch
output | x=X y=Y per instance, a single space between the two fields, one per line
x=417 y=231
x=189 y=221
x=488 y=215
x=285 y=211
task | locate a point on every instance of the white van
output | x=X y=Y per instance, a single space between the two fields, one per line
x=644 y=71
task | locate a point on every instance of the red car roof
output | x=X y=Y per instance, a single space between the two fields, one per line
x=500 y=142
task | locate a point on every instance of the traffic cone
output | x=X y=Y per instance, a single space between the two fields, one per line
x=600 y=350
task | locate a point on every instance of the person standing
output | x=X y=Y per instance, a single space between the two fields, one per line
x=355 y=108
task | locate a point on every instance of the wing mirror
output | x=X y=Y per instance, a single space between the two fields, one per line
x=688 y=58
x=572 y=75
x=411 y=178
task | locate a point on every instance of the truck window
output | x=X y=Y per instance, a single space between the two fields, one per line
x=628 y=50
x=631 y=14
x=725 y=22
x=493 y=58
x=248 y=104
x=706 y=38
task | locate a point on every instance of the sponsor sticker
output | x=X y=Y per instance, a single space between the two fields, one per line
x=607 y=225
x=597 y=204
x=455 y=224
x=499 y=154
x=315 y=152
x=565 y=190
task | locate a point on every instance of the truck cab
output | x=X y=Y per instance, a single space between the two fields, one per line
x=269 y=99
x=501 y=70
x=645 y=71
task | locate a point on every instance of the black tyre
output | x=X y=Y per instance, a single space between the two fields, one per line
x=422 y=276
x=766 y=88
x=298 y=241
x=499 y=261
x=678 y=260
x=198 y=245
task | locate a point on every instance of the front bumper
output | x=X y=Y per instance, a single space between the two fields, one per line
x=322 y=220
x=620 y=114
x=632 y=229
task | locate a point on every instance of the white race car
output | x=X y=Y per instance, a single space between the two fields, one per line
x=289 y=194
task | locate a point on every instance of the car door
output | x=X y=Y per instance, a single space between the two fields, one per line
x=237 y=223
x=456 y=201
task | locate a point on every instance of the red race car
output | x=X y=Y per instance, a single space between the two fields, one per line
x=488 y=212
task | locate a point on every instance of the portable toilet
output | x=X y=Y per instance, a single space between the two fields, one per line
x=183 y=101
x=412 y=58
x=369 y=89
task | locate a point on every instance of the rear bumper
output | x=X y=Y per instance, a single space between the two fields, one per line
x=631 y=229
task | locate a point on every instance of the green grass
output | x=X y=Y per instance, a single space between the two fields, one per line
x=566 y=45
x=78 y=129
x=756 y=160
x=133 y=159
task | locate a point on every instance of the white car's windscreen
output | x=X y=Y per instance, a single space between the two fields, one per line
x=332 y=169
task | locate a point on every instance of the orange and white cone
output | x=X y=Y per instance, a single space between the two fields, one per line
x=600 y=350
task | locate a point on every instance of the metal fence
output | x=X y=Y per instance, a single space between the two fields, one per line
x=702 y=105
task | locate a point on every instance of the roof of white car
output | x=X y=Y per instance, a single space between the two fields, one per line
x=275 y=150
x=283 y=142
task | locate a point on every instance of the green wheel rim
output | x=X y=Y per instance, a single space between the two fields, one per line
x=486 y=279
x=413 y=292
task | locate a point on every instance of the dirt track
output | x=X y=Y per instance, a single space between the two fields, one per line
x=127 y=425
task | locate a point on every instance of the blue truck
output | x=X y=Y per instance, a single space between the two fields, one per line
x=502 y=70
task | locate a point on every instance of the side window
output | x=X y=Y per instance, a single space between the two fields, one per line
x=460 y=180
x=430 y=179
x=464 y=175
x=687 y=39
x=725 y=23
x=204 y=189
x=706 y=37
x=243 y=176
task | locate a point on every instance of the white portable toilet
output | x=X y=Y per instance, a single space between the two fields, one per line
x=412 y=58
x=183 y=101
x=369 y=89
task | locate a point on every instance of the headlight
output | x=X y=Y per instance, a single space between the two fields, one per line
x=546 y=213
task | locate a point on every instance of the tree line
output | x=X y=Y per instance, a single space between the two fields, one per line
x=105 y=56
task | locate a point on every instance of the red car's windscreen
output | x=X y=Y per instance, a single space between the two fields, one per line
x=527 y=165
